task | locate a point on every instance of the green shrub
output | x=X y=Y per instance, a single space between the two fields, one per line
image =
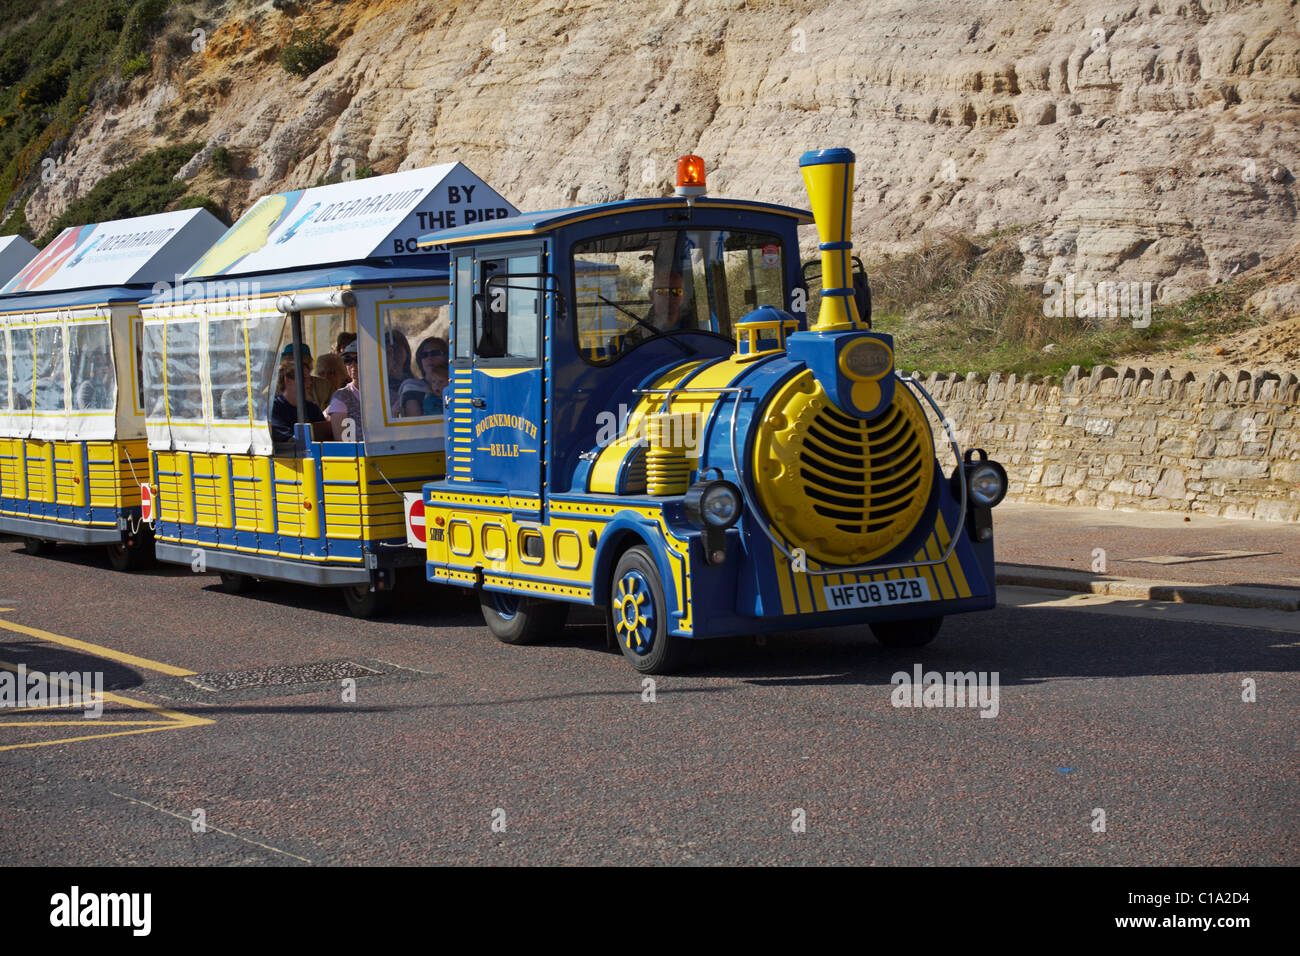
x=138 y=64
x=307 y=51
x=222 y=161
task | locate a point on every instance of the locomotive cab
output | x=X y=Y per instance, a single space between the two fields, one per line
x=642 y=418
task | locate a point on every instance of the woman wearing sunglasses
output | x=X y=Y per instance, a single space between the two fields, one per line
x=423 y=396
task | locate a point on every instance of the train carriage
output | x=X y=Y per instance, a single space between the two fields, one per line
x=72 y=449
x=248 y=495
x=642 y=419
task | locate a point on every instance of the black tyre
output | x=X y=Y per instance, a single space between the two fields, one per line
x=363 y=602
x=233 y=583
x=128 y=558
x=514 y=619
x=37 y=546
x=640 y=615
x=901 y=634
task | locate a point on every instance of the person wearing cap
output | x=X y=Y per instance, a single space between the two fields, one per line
x=284 y=410
x=345 y=404
x=318 y=390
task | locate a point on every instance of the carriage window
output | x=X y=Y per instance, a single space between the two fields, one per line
x=264 y=335
x=154 y=372
x=415 y=358
x=184 y=384
x=4 y=370
x=90 y=357
x=634 y=287
x=49 y=369
x=21 y=361
x=228 y=370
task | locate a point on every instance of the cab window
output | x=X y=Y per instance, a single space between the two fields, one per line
x=634 y=287
x=508 y=324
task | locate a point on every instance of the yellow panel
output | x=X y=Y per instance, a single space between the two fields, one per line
x=494 y=542
x=568 y=549
x=461 y=537
x=40 y=471
x=13 y=468
x=310 y=499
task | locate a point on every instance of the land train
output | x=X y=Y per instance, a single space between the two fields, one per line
x=639 y=415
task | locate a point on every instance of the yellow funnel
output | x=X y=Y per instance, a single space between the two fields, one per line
x=828 y=177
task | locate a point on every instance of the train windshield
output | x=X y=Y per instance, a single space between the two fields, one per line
x=634 y=287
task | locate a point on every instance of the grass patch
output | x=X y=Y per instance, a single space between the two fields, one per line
x=954 y=306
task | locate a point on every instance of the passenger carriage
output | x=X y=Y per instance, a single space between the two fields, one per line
x=294 y=272
x=642 y=419
x=72 y=439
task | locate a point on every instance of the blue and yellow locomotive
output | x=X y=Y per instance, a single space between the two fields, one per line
x=640 y=418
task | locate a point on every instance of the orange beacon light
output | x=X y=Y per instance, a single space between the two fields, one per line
x=690 y=177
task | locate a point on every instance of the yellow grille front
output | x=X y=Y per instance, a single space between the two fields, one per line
x=843 y=489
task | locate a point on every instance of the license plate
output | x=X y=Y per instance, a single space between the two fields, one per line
x=876 y=593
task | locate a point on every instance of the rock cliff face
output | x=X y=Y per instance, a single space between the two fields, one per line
x=1147 y=140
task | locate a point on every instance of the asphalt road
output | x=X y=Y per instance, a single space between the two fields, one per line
x=1140 y=716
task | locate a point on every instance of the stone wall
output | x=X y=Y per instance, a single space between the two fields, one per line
x=1134 y=438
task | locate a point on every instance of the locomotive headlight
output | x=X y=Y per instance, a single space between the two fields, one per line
x=986 y=482
x=714 y=505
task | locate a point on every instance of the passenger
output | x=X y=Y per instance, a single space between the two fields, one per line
x=284 y=411
x=343 y=341
x=423 y=396
x=345 y=406
x=399 y=369
x=331 y=372
x=234 y=404
x=96 y=390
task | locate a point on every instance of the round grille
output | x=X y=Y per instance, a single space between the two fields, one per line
x=843 y=489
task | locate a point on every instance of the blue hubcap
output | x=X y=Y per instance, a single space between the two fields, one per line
x=634 y=613
x=506 y=605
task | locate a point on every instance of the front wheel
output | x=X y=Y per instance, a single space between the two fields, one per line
x=513 y=619
x=902 y=634
x=640 y=615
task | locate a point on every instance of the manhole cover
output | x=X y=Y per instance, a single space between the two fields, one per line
x=280 y=675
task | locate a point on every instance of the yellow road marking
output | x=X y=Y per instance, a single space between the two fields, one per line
x=171 y=719
x=97 y=649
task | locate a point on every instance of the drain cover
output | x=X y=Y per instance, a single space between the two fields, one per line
x=280 y=675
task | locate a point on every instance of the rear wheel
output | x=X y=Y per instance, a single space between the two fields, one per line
x=364 y=602
x=233 y=583
x=37 y=546
x=640 y=615
x=124 y=557
x=915 y=633
x=513 y=619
